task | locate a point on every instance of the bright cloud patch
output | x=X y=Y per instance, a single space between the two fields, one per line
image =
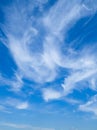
x=37 y=42
x=90 y=106
x=50 y=94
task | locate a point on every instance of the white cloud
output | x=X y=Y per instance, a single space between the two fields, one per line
x=3 y=109
x=16 y=103
x=23 y=105
x=15 y=84
x=23 y=126
x=91 y=5
x=50 y=94
x=37 y=55
x=77 y=77
x=90 y=106
x=83 y=69
x=59 y=17
x=72 y=101
x=22 y=36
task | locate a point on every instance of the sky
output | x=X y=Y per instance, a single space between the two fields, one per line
x=48 y=64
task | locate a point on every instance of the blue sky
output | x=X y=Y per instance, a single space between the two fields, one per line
x=48 y=65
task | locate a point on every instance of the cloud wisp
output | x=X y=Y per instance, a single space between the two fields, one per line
x=23 y=126
x=14 y=103
x=36 y=42
x=14 y=84
x=90 y=106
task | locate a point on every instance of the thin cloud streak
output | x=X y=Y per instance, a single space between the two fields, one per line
x=23 y=126
x=39 y=56
x=34 y=63
x=90 y=106
x=15 y=103
x=14 y=84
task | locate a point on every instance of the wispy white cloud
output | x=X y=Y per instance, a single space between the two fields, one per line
x=90 y=106
x=91 y=5
x=60 y=18
x=72 y=101
x=4 y=109
x=32 y=63
x=18 y=104
x=50 y=94
x=15 y=83
x=76 y=77
x=15 y=103
x=36 y=45
x=23 y=126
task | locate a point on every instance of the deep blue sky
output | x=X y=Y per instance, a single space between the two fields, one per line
x=48 y=65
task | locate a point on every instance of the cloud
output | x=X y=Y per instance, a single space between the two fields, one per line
x=16 y=103
x=23 y=37
x=91 y=5
x=4 y=109
x=90 y=106
x=61 y=19
x=23 y=126
x=50 y=94
x=38 y=45
x=77 y=77
x=14 y=84
x=72 y=101
x=83 y=70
